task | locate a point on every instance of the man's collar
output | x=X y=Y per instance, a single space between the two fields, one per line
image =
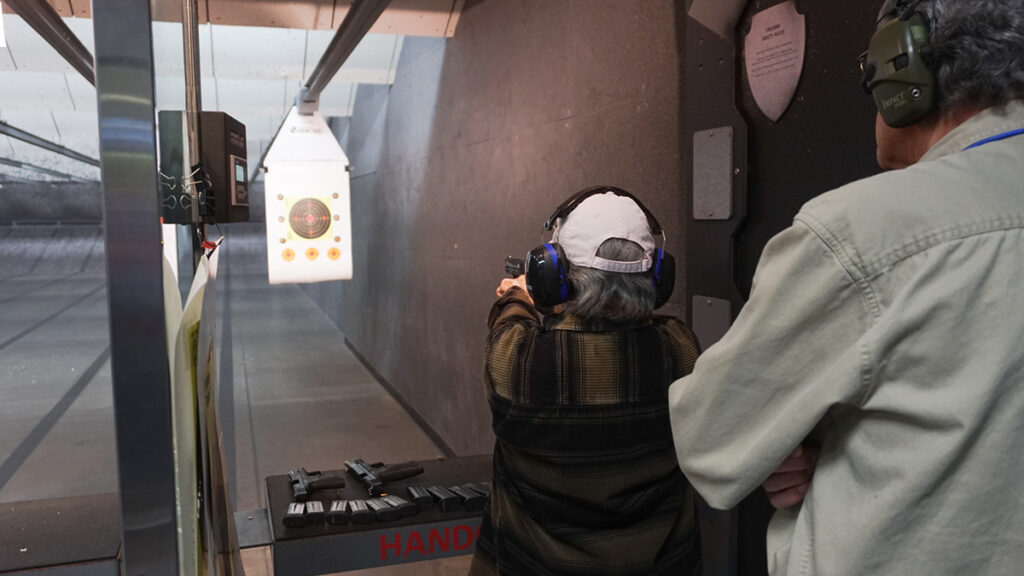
x=985 y=124
x=566 y=321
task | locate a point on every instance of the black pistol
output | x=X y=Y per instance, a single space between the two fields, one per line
x=373 y=476
x=515 y=267
x=303 y=483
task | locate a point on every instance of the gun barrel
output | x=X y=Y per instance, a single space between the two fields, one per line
x=515 y=267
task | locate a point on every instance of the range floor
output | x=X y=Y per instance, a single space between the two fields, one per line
x=299 y=397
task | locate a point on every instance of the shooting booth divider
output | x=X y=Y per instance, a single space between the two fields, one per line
x=762 y=139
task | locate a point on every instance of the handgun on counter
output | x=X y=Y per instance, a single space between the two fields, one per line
x=515 y=267
x=373 y=476
x=303 y=483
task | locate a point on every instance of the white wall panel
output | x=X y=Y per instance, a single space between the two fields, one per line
x=369 y=62
x=77 y=126
x=6 y=62
x=210 y=93
x=29 y=51
x=260 y=97
x=82 y=93
x=258 y=52
x=34 y=91
x=337 y=99
x=38 y=122
x=82 y=29
x=170 y=92
x=169 y=52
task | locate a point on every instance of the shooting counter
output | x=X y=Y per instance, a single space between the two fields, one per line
x=81 y=536
x=326 y=548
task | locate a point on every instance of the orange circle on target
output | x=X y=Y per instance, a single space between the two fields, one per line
x=288 y=255
x=312 y=254
x=334 y=253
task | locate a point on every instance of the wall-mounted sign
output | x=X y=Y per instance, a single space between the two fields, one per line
x=774 y=54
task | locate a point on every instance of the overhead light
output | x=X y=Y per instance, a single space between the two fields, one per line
x=3 y=39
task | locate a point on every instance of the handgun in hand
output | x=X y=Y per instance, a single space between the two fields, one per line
x=515 y=267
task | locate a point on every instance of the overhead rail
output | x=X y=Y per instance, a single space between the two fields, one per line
x=41 y=170
x=34 y=140
x=9 y=178
x=48 y=24
x=358 y=21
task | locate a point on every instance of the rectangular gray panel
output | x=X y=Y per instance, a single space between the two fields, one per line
x=711 y=319
x=712 y=174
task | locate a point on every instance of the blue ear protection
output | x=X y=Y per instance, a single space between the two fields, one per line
x=547 y=271
x=663 y=276
x=547 y=268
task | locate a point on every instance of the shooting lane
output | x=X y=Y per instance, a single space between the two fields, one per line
x=756 y=159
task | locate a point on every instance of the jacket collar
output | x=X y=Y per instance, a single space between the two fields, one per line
x=566 y=321
x=985 y=124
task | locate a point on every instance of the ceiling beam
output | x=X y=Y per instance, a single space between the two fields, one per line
x=48 y=24
x=41 y=170
x=34 y=140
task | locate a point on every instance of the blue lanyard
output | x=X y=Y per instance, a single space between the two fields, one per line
x=1002 y=136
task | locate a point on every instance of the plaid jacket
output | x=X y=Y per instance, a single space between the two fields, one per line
x=585 y=473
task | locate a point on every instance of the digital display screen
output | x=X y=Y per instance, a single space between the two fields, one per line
x=239 y=173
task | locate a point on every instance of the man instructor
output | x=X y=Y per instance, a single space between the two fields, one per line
x=882 y=348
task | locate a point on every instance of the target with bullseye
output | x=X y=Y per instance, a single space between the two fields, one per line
x=307 y=192
x=308 y=218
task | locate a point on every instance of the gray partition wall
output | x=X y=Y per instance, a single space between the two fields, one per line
x=823 y=140
x=458 y=164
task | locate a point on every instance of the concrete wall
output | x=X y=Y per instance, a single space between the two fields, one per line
x=458 y=164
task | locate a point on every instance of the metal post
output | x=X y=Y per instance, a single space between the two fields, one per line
x=193 y=112
x=34 y=140
x=139 y=361
x=47 y=23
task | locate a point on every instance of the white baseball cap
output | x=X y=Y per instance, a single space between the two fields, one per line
x=597 y=219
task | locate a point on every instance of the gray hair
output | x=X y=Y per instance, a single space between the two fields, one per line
x=976 y=49
x=611 y=296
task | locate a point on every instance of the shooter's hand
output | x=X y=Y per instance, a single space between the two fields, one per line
x=509 y=283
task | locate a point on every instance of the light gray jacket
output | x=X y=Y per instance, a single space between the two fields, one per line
x=887 y=324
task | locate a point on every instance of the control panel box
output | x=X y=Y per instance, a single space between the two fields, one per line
x=309 y=227
x=224 y=157
x=223 y=149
